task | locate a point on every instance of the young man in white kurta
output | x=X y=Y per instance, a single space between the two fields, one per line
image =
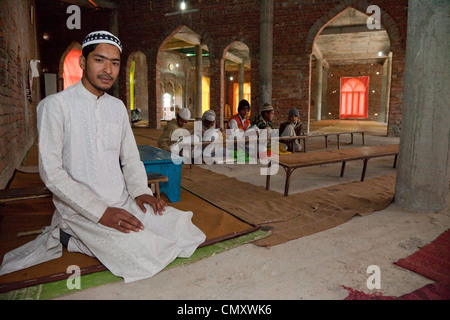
x=88 y=158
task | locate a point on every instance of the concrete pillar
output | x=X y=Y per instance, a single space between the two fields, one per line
x=424 y=161
x=265 y=52
x=386 y=88
x=241 y=81
x=198 y=82
x=326 y=69
x=319 y=69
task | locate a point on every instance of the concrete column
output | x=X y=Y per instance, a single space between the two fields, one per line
x=319 y=69
x=265 y=52
x=326 y=69
x=386 y=88
x=241 y=81
x=198 y=82
x=424 y=160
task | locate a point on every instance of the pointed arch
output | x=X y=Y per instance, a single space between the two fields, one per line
x=69 y=71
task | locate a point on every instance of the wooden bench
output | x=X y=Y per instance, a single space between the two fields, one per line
x=7 y=195
x=154 y=178
x=16 y=194
x=294 y=161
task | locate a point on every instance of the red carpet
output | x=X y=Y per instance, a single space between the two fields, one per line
x=432 y=262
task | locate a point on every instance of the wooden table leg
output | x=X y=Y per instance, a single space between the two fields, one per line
x=158 y=194
x=268 y=176
x=342 y=168
x=338 y=143
x=363 y=174
x=287 y=183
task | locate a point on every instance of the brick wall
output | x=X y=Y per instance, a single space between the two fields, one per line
x=17 y=110
x=21 y=40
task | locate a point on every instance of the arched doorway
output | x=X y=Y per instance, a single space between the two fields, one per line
x=237 y=79
x=346 y=48
x=183 y=61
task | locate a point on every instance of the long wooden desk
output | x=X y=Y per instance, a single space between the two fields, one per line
x=325 y=135
x=291 y=162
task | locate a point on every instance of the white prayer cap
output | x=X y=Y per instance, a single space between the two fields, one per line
x=97 y=37
x=184 y=114
x=209 y=115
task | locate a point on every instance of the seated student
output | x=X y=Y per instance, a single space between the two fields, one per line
x=292 y=127
x=165 y=140
x=240 y=120
x=210 y=132
x=264 y=119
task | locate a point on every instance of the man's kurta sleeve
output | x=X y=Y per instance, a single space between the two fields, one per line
x=51 y=126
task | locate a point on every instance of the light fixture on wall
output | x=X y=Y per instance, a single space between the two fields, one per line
x=380 y=54
x=183 y=9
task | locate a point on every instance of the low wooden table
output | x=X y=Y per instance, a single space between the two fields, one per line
x=291 y=162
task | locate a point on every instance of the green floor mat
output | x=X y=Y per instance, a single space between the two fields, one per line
x=60 y=288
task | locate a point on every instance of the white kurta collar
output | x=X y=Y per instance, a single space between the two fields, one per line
x=82 y=89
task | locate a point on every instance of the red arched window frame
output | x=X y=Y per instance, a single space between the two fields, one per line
x=72 y=72
x=354 y=98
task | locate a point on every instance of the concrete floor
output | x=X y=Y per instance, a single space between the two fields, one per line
x=312 y=267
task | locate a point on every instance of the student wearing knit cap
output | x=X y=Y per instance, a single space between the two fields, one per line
x=182 y=118
x=240 y=120
x=264 y=119
x=292 y=127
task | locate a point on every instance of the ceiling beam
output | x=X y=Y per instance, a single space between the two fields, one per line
x=348 y=29
x=319 y=55
x=353 y=56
